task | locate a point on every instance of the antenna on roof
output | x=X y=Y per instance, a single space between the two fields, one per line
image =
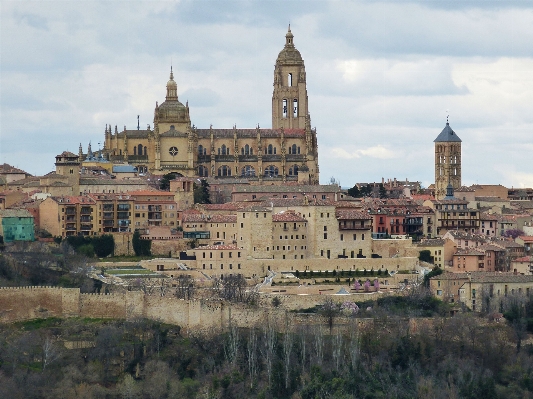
x=138 y=126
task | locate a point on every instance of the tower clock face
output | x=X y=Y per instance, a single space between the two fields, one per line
x=173 y=151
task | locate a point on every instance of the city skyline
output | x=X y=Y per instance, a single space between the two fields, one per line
x=382 y=78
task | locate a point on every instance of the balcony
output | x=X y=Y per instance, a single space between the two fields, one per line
x=271 y=158
x=85 y=227
x=70 y=211
x=85 y=219
x=108 y=207
x=71 y=218
x=86 y=209
x=154 y=208
x=108 y=223
x=109 y=215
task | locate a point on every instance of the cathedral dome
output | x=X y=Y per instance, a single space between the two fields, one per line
x=289 y=54
x=172 y=109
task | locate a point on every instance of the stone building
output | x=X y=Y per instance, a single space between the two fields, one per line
x=286 y=152
x=447 y=161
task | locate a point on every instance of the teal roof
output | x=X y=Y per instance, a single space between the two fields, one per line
x=447 y=135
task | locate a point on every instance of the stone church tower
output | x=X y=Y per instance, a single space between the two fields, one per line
x=447 y=161
x=289 y=99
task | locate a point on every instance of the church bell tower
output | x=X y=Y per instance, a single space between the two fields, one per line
x=447 y=161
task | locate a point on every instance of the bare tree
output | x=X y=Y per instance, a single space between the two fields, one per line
x=50 y=352
x=252 y=355
x=336 y=350
x=231 y=346
x=186 y=286
x=354 y=348
x=318 y=342
x=269 y=348
x=330 y=310
x=288 y=341
x=303 y=346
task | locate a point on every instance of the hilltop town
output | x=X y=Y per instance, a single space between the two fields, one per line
x=179 y=236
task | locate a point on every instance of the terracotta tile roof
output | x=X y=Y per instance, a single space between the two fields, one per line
x=464 y=189
x=8 y=169
x=330 y=188
x=524 y=259
x=507 y=244
x=288 y=202
x=70 y=200
x=469 y=252
x=432 y=242
x=287 y=217
x=203 y=218
x=15 y=213
x=228 y=206
x=349 y=214
x=217 y=247
x=526 y=238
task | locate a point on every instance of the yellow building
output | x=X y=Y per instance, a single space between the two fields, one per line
x=287 y=152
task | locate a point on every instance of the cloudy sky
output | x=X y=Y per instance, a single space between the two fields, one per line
x=382 y=77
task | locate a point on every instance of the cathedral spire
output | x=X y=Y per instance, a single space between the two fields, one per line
x=172 y=88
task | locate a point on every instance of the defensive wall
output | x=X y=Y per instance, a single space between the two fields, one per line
x=27 y=303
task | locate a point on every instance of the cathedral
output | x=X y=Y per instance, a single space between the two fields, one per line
x=286 y=152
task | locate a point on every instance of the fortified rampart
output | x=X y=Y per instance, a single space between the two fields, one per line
x=26 y=303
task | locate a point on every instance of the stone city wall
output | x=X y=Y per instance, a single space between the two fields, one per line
x=26 y=303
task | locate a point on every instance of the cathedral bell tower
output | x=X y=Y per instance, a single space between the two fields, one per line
x=289 y=99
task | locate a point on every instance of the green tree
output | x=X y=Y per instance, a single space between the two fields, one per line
x=435 y=272
x=382 y=191
x=141 y=247
x=201 y=192
x=425 y=256
x=354 y=192
x=103 y=245
x=164 y=183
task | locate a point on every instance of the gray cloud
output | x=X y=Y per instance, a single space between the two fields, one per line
x=381 y=77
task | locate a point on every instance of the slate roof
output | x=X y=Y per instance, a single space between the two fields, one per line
x=447 y=135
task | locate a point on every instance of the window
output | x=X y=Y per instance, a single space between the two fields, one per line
x=172 y=151
x=224 y=170
x=284 y=108
x=202 y=171
x=293 y=170
x=271 y=171
x=295 y=108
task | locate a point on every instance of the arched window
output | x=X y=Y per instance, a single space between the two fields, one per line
x=270 y=149
x=293 y=170
x=293 y=149
x=140 y=149
x=200 y=150
x=248 y=171
x=289 y=80
x=284 y=110
x=224 y=170
x=271 y=171
x=246 y=149
x=223 y=149
x=295 y=108
x=145 y=153
x=134 y=150
x=202 y=171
